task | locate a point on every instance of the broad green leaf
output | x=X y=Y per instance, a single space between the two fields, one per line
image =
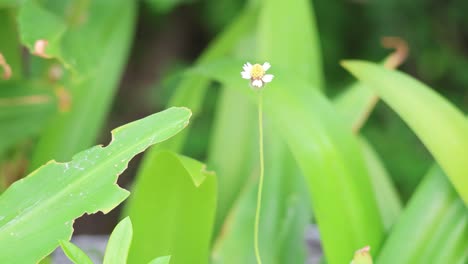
x=25 y=108
x=288 y=38
x=74 y=253
x=433 y=226
x=172 y=207
x=355 y=105
x=98 y=70
x=439 y=125
x=161 y=260
x=38 y=211
x=328 y=155
x=119 y=243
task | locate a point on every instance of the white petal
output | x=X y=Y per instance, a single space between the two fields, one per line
x=257 y=83
x=267 y=78
x=266 y=66
x=247 y=67
x=246 y=75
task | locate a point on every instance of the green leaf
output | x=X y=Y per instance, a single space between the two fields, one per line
x=434 y=226
x=362 y=256
x=354 y=104
x=25 y=108
x=37 y=23
x=119 y=243
x=386 y=195
x=284 y=216
x=10 y=3
x=161 y=260
x=192 y=89
x=98 y=68
x=234 y=133
x=328 y=155
x=440 y=126
x=38 y=211
x=74 y=253
x=288 y=38
x=172 y=207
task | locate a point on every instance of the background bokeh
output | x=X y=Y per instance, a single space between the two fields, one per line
x=171 y=34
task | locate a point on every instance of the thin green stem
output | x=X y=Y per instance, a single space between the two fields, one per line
x=260 y=183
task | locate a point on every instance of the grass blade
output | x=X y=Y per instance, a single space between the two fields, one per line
x=119 y=243
x=74 y=253
x=439 y=125
x=288 y=38
x=434 y=226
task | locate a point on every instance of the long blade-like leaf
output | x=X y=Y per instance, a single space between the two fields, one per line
x=172 y=207
x=434 y=226
x=38 y=211
x=74 y=253
x=439 y=125
x=288 y=38
x=328 y=155
x=284 y=215
x=119 y=243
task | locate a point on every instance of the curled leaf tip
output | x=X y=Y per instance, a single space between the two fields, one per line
x=40 y=47
x=399 y=55
x=6 y=68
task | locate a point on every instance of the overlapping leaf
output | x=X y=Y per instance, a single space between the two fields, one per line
x=172 y=206
x=38 y=211
x=70 y=29
x=328 y=155
x=439 y=125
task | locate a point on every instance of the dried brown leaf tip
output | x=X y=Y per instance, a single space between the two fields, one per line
x=6 y=68
x=40 y=47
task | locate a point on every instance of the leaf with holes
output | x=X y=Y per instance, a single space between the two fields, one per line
x=38 y=211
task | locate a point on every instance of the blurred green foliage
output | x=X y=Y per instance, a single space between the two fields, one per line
x=366 y=185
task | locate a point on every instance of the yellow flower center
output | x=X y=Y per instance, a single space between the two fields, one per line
x=257 y=71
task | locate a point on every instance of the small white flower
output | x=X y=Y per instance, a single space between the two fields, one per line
x=256 y=74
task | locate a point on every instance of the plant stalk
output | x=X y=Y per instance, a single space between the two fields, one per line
x=260 y=183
